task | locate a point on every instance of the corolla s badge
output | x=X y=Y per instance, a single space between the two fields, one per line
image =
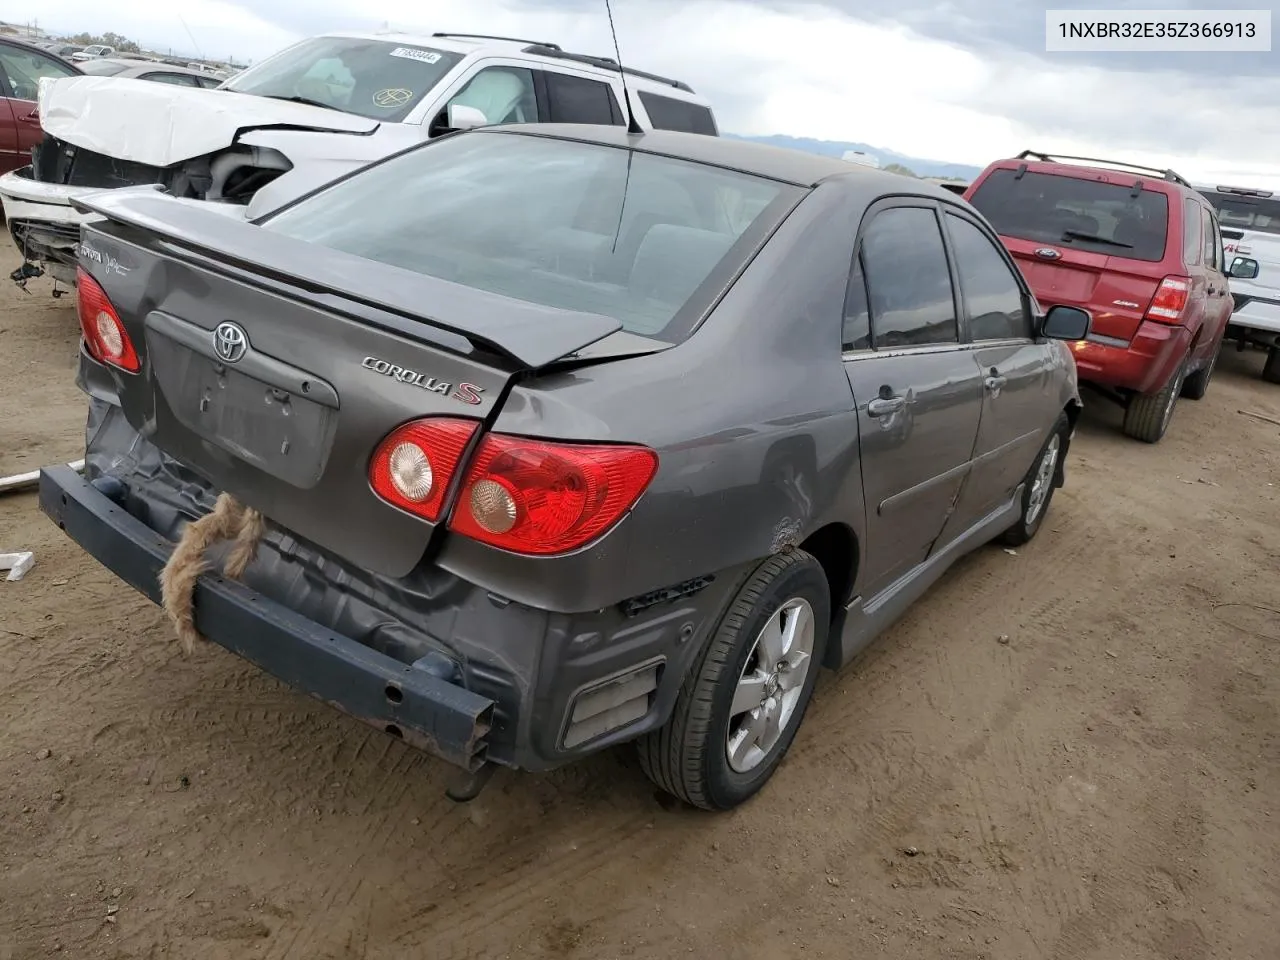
x=230 y=342
x=464 y=392
x=1047 y=253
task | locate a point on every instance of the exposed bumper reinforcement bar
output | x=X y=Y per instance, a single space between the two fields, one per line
x=431 y=714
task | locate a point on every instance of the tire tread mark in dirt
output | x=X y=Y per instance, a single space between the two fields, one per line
x=373 y=841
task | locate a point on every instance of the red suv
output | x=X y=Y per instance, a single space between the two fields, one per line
x=1136 y=247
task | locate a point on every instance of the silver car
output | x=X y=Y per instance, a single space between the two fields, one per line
x=547 y=438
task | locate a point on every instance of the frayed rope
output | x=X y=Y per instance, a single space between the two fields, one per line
x=229 y=520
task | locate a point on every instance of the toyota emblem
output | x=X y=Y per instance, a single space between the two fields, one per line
x=230 y=342
x=1047 y=253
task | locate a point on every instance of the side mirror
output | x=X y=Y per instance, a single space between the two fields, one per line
x=1243 y=268
x=461 y=117
x=1066 y=323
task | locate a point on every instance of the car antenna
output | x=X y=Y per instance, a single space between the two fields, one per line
x=632 y=126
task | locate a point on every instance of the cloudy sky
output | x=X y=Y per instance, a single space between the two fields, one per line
x=965 y=80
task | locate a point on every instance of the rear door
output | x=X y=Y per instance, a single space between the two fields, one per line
x=917 y=390
x=1082 y=241
x=1016 y=371
x=1217 y=303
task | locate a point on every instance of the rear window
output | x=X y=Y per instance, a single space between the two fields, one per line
x=667 y=113
x=379 y=79
x=1245 y=213
x=1082 y=214
x=561 y=223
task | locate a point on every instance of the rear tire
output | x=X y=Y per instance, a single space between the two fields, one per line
x=1271 y=368
x=1039 y=485
x=713 y=754
x=1147 y=417
x=1197 y=384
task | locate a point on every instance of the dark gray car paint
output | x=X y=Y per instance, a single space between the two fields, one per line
x=759 y=421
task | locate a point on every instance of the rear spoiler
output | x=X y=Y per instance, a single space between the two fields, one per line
x=529 y=334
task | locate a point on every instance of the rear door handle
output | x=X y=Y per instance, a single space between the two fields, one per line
x=995 y=382
x=883 y=406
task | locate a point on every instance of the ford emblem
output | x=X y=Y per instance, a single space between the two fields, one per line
x=1047 y=253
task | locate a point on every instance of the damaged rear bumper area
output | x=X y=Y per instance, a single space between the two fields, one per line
x=406 y=701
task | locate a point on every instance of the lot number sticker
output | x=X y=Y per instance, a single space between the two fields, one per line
x=411 y=53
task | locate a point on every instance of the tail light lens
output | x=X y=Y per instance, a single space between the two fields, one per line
x=104 y=334
x=1170 y=300
x=412 y=467
x=533 y=497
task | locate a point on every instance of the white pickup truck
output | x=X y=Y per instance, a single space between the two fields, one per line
x=1250 y=224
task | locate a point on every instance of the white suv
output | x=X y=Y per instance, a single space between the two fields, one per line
x=306 y=115
x=1250 y=224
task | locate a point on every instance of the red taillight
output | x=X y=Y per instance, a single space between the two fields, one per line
x=104 y=334
x=412 y=467
x=533 y=497
x=1170 y=300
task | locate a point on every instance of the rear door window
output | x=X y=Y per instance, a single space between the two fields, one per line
x=1192 y=233
x=992 y=297
x=908 y=281
x=1213 y=242
x=1081 y=214
x=667 y=113
x=573 y=99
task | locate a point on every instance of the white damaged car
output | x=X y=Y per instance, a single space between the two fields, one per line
x=313 y=112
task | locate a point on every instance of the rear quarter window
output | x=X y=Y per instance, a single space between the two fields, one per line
x=1082 y=214
x=667 y=113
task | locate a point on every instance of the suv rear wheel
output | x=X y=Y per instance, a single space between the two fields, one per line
x=1197 y=384
x=1148 y=415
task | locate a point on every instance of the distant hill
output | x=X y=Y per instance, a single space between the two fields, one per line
x=834 y=148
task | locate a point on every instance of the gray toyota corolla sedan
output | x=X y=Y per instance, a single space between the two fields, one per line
x=545 y=438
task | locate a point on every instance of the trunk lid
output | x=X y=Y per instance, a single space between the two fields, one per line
x=160 y=124
x=274 y=367
x=1116 y=290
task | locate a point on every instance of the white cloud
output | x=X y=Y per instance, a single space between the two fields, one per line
x=807 y=71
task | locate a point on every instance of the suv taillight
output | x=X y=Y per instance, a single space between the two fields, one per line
x=413 y=465
x=534 y=497
x=104 y=335
x=1170 y=300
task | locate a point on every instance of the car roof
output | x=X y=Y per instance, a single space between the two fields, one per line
x=759 y=159
x=153 y=65
x=541 y=51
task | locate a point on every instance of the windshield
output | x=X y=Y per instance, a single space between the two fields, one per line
x=1081 y=214
x=382 y=80
x=1260 y=214
x=572 y=225
x=103 y=68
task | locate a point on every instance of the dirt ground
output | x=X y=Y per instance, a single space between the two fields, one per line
x=1102 y=786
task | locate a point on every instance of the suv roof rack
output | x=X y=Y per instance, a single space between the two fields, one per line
x=489 y=36
x=604 y=63
x=1163 y=174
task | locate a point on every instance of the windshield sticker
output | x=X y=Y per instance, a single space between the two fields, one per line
x=392 y=97
x=412 y=53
